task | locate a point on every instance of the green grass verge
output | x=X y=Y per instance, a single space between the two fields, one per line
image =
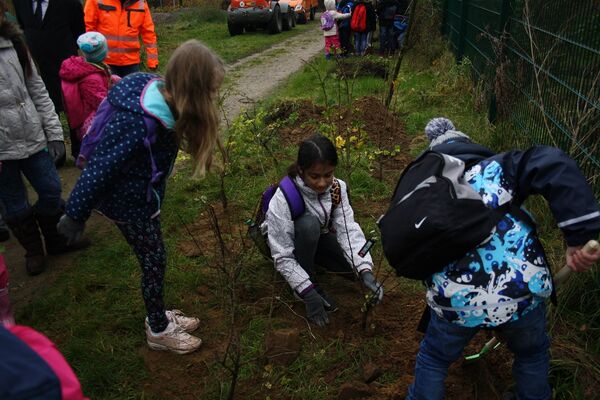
x=210 y=26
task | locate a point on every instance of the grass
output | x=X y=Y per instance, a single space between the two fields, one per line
x=318 y=72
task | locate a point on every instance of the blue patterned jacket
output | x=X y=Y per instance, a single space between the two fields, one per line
x=508 y=275
x=115 y=179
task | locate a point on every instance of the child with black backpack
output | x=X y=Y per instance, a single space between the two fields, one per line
x=125 y=177
x=325 y=233
x=330 y=28
x=502 y=283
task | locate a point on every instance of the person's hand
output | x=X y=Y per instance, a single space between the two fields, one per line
x=371 y=283
x=56 y=149
x=315 y=308
x=580 y=260
x=71 y=229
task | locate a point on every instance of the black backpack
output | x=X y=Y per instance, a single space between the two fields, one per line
x=435 y=217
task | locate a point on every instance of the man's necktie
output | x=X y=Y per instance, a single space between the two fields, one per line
x=38 y=11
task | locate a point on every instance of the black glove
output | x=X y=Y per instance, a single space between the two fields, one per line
x=315 y=308
x=70 y=229
x=374 y=286
x=56 y=149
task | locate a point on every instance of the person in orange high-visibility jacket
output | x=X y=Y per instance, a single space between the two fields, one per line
x=122 y=22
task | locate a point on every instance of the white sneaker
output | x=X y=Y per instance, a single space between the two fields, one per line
x=189 y=324
x=173 y=339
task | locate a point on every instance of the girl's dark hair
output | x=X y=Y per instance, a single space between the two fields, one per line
x=314 y=150
x=11 y=31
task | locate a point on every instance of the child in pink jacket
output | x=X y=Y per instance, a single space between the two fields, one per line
x=330 y=31
x=85 y=81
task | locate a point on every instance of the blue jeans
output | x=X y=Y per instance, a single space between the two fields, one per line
x=444 y=343
x=386 y=39
x=40 y=171
x=360 y=42
x=124 y=70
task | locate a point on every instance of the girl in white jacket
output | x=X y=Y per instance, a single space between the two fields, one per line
x=329 y=26
x=325 y=234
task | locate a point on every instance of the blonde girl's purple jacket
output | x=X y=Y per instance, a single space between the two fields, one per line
x=116 y=178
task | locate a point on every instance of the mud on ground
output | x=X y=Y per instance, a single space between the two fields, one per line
x=384 y=129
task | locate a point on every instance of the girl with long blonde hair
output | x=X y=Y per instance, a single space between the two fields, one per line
x=125 y=176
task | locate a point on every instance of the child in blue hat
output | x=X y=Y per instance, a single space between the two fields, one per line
x=85 y=81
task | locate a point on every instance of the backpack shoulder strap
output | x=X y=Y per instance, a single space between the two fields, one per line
x=293 y=196
x=149 y=140
x=336 y=194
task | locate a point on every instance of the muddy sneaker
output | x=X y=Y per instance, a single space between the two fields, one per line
x=173 y=339
x=189 y=324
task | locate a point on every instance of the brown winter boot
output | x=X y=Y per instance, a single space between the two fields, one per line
x=55 y=242
x=25 y=229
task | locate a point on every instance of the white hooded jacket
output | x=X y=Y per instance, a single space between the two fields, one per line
x=330 y=8
x=280 y=228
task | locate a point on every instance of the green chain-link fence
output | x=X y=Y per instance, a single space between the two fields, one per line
x=540 y=61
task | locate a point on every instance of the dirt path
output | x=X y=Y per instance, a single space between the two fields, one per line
x=255 y=76
x=249 y=80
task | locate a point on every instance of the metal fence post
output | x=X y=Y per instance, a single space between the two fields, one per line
x=503 y=31
x=444 y=17
x=462 y=39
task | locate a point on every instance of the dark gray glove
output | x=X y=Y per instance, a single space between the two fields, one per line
x=374 y=286
x=70 y=229
x=56 y=149
x=315 y=308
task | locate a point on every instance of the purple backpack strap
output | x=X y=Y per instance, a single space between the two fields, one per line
x=94 y=134
x=266 y=198
x=149 y=140
x=293 y=197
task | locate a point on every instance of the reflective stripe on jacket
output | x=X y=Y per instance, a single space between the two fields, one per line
x=123 y=25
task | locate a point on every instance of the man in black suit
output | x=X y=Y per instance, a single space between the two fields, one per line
x=51 y=29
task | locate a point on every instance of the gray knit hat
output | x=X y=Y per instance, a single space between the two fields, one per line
x=437 y=127
x=440 y=129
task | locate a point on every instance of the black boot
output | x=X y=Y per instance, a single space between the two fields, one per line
x=55 y=242
x=25 y=229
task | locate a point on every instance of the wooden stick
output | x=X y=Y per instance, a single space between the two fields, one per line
x=590 y=247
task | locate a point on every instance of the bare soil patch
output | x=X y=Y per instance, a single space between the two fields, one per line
x=383 y=128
